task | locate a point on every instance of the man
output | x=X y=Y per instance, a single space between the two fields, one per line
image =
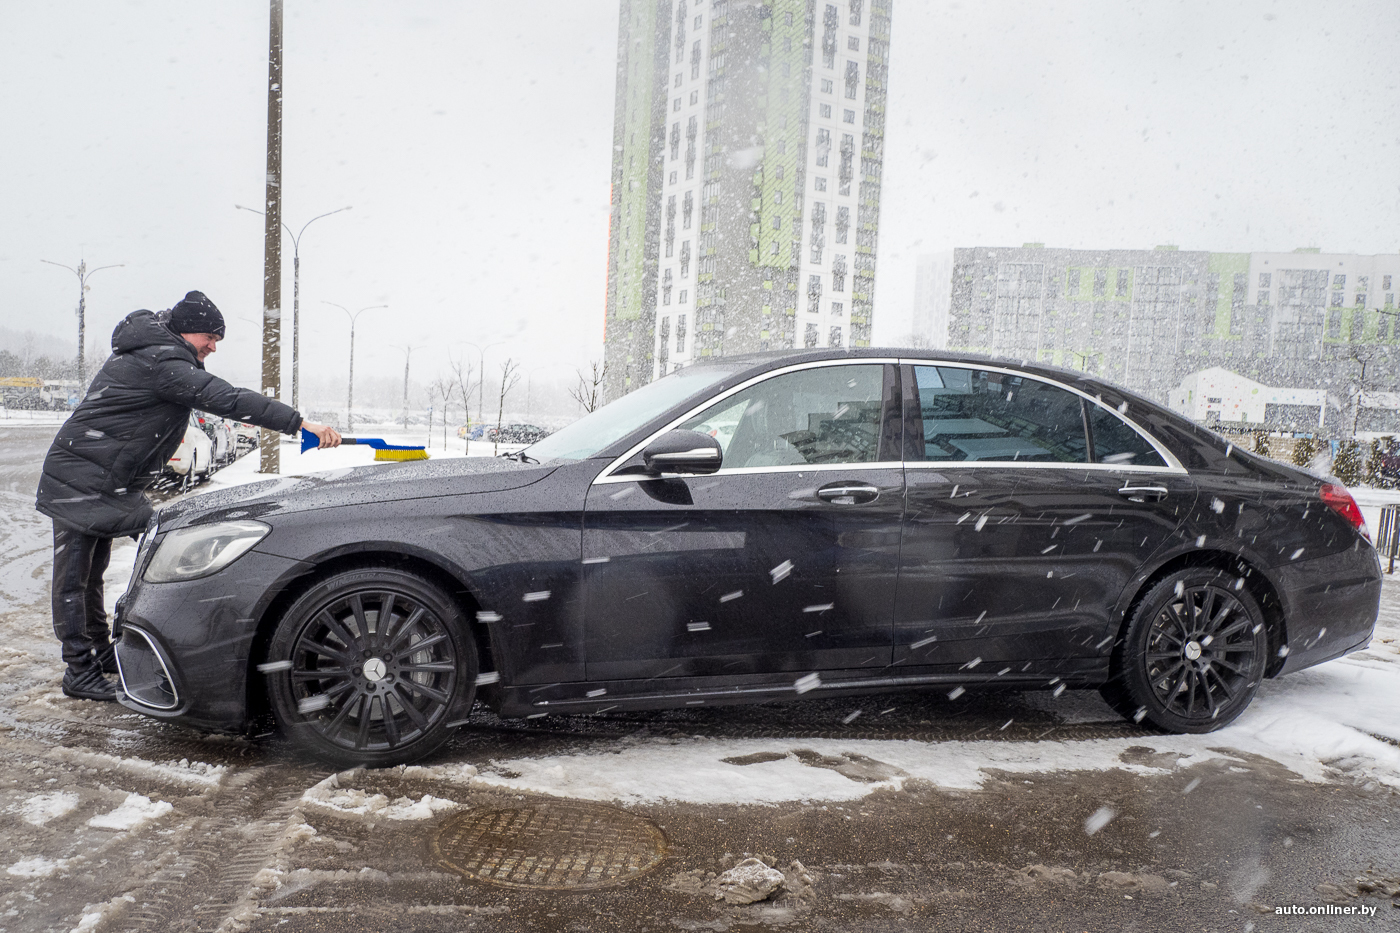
x=114 y=446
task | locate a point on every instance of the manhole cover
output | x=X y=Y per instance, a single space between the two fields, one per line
x=551 y=844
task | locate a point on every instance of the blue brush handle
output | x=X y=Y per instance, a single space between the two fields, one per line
x=309 y=440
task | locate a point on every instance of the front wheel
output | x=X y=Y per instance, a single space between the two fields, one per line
x=1193 y=654
x=380 y=662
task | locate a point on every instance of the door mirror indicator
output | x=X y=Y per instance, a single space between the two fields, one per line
x=683 y=452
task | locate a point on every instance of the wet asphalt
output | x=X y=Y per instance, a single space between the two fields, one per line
x=1220 y=845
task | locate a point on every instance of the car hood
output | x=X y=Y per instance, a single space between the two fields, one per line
x=353 y=486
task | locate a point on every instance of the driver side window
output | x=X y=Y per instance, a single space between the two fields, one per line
x=826 y=414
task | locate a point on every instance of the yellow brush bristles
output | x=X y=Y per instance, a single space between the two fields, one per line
x=401 y=455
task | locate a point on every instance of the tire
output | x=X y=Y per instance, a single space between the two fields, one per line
x=189 y=480
x=1193 y=654
x=357 y=693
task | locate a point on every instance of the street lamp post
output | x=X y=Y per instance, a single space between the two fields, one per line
x=350 y=393
x=296 y=295
x=481 y=375
x=83 y=273
x=407 y=354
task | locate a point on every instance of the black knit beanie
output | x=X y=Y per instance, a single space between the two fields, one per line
x=196 y=314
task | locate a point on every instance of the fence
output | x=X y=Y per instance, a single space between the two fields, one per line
x=1388 y=536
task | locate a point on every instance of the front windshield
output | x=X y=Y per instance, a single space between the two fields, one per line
x=592 y=433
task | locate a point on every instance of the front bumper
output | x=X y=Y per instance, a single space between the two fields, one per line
x=184 y=648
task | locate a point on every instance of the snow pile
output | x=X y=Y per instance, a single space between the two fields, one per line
x=36 y=867
x=38 y=810
x=329 y=795
x=133 y=812
x=748 y=882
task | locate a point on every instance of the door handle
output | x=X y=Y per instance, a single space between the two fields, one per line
x=848 y=493
x=1143 y=493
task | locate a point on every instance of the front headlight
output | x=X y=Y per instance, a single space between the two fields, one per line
x=200 y=550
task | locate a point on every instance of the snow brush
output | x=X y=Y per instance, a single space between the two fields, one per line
x=382 y=451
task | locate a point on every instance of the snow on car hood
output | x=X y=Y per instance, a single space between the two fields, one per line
x=354 y=486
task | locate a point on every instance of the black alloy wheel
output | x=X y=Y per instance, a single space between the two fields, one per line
x=1193 y=655
x=370 y=666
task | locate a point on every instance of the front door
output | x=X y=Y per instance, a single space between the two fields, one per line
x=783 y=561
x=1024 y=526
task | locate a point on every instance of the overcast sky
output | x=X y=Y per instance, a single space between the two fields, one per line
x=473 y=138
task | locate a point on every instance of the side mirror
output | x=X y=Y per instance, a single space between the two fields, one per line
x=683 y=452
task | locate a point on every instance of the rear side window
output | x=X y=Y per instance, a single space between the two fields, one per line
x=826 y=414
x=972 y=414
x=1116 y=442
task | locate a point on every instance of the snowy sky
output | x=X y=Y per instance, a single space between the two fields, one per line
x=472 y=139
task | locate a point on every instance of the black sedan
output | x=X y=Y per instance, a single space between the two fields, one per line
x=754 y=529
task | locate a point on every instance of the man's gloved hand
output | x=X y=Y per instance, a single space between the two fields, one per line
x=329 y=436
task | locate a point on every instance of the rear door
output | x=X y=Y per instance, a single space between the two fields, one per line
x=784 y=560
x=1029 y=509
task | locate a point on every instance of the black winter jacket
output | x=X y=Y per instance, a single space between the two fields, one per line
x=132 y=419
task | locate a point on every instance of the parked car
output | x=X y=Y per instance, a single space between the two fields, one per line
x=245 y=435
x=516 y=434
x=1389 y=466
x=195 y=455
x=220 y=435
x=876 y=520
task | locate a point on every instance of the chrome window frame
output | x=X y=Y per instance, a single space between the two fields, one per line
x=1173 y=467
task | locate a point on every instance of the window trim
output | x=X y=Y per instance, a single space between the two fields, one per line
x=1173 y=466
x=607 y=475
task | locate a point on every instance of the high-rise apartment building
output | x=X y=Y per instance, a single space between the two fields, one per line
x=1147 y=318
x=747 y=152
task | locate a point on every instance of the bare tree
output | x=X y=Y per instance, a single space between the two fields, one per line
x=920 y=341
x=510 y=378
x=442 y=388
x=589 y=387
x=462 y=382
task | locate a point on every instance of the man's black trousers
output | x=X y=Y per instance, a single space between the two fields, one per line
x=79 y=614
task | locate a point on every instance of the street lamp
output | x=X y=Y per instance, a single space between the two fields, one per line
x=296 y=295
x=350 y=394
x=83 y=273
x=481 y=375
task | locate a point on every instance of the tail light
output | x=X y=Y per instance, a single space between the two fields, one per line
x=1337 y=499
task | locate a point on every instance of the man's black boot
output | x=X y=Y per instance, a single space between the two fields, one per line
x=88 y=684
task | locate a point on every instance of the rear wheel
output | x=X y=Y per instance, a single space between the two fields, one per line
x=1193 y=654
x=379 y=662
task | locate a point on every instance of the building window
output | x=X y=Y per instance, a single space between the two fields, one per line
x=688 y=210
x=680 y=32
x=1363 y=282
x=773 y=251
x=1124 y=278
x=1360 y=299
x=692 y=129
x=1385 y=283
x=835 y=337
x=1100 y=282
x=778 y=173
x=823 y=148
x=670 y=225
x=1072 y=282
x=676 y=105
x=853 y=44
x=697 y=21
x=829 y=22
x=676 y=140
x=816 y=254
x=809 y=339
x=677 y=82
x=814 y=295
x=837 y=309
x=852 y=80
x=820 y=183
x=680 y=301
x=685 y=260
x=1339 y=281
x=824 y=110
x=673 y=178
x=848 y=116
x=1263 y=297
x=777 y=223
x=827 y=85
x=680 y=329
x=665 y=343
x=1390 y=300
x=1264 y=279
x=666 y=288
x=855 y=11
x=1336 y=299
x=778 y=197
x=695 y=60
x=694 y=97
x=838 y=273
x=846 y=172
